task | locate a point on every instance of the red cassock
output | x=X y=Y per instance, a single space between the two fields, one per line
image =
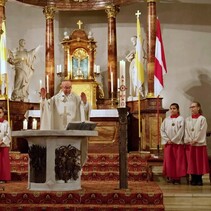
x=174 y=165
x=4 y=164
x=197 y=159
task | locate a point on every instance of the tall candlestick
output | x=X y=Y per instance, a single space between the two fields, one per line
x=47 y=83
x=112 y=82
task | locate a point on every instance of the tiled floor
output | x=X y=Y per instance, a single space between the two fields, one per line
x=185 y=197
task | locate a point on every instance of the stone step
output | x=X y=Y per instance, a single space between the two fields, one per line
x=98 y=167
x=80 y=207
x=114 y=167
x=114 y=176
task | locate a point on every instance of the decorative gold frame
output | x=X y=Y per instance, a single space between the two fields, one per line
x=81 y=70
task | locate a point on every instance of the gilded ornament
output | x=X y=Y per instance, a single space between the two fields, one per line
x=3 y=2
x=49 y=12
x=112 y=11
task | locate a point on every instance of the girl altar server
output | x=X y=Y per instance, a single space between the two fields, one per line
x=172 y=133
x=5 y=140
x=195 y=140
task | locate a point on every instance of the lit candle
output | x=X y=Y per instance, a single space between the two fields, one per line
x=34 y=124
x=112 y=82
x=40 y=84
x=68 y=61
x=59 y=68
x=47 y=83
x=95 y=68
x=118 y=84
x=122 y=71
x=98 y=69
x=25 y=124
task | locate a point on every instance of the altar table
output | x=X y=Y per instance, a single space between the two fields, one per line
x=55 y=158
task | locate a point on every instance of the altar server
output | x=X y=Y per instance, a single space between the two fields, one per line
x=5 y=140
x=195 y=140
x=172 y=134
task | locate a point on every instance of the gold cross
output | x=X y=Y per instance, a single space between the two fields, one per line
x=79 y=24
x=138 y=14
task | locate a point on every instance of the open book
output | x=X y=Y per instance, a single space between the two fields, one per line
x=87 y=125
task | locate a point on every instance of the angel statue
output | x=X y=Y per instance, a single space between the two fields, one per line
x=22 y=61
x=133 y=92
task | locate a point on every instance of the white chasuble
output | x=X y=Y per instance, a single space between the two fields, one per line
x=58 y=111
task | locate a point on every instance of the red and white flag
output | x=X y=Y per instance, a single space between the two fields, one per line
x=160 y=61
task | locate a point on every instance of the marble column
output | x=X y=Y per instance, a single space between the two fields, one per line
x=2 y=14
x=112 y=11
x=151 y=38
x=49 y=12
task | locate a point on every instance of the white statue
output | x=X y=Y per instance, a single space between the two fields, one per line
x=66 y=36
x=90 y=35
x=133 y=91
x=22 y=61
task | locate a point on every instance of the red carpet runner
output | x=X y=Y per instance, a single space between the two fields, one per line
x=100 y=188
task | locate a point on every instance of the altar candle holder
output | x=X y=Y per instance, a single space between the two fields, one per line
x=118 y=96
x=114 y=101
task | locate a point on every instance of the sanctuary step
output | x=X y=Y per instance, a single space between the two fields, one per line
x=19 y=166
x=95 y=196
x=99 y=167
x=105 y=167
x=100 y=187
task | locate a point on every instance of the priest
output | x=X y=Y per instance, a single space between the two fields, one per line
x=63 y=108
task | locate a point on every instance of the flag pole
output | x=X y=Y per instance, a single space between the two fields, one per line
x=139 y=122
x=158 y=126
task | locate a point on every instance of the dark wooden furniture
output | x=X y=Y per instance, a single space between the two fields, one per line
x=17 y=111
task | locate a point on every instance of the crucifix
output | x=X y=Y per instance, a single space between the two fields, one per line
x=138 y=13
x=79 y=23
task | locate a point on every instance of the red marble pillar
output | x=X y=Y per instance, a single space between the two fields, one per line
x=49 y=12
x=112 y=11
x=151 y=38
x=2 y=14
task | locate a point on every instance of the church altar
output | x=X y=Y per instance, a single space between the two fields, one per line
x=55 y=158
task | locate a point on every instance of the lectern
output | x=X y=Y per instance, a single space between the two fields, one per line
x=55 y=158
